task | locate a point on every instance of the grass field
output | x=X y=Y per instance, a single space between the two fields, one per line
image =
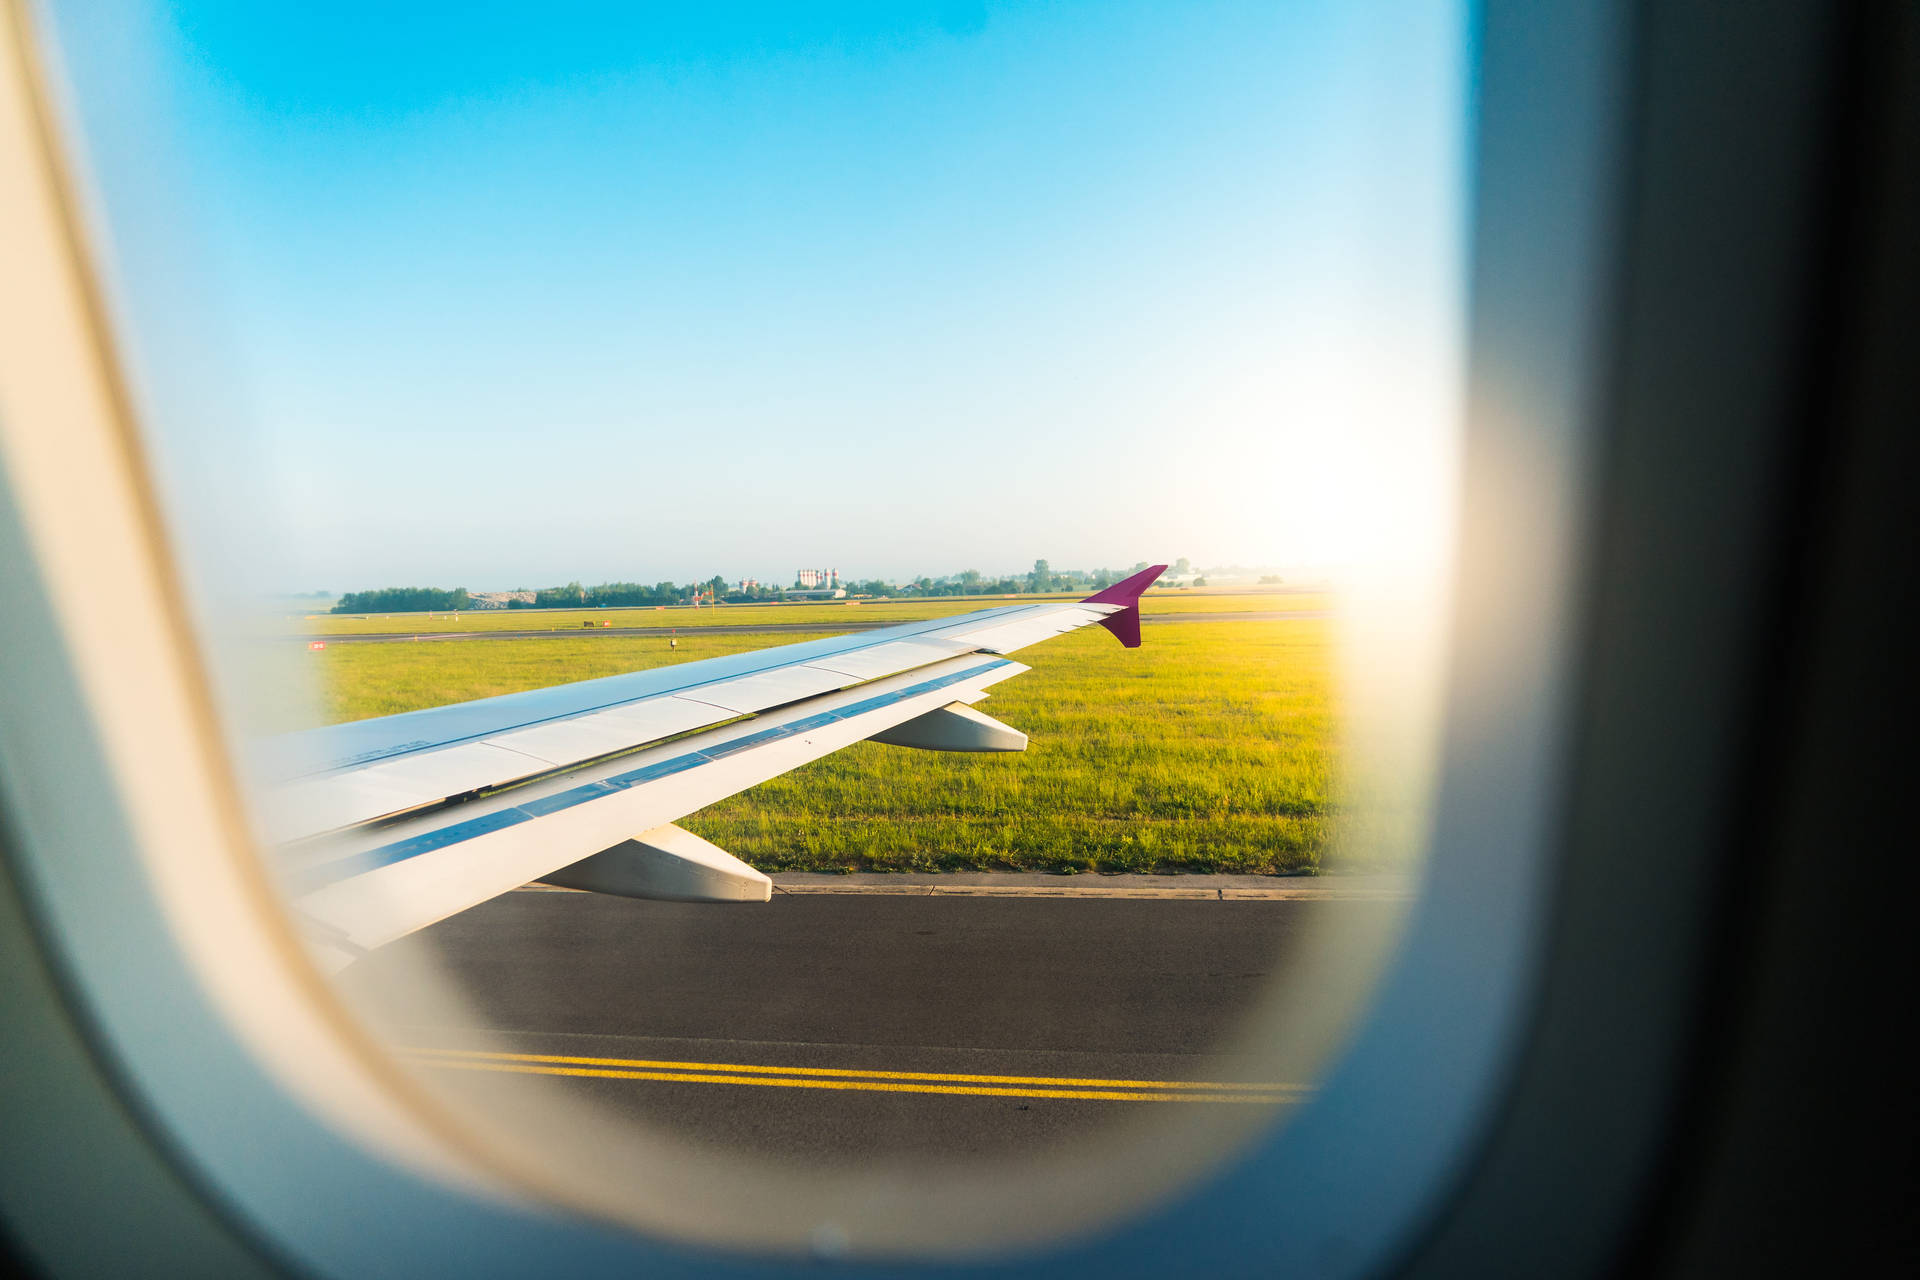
x=827 y=614
x=1211 y=748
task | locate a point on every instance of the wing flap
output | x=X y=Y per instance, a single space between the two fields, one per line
x=885 y=659
x=744 y=695
x=312 y=805
x=599 y=733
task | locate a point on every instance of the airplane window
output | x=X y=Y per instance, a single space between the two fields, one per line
x=830 y=617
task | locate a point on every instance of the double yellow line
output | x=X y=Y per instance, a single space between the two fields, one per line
x=838 y=1078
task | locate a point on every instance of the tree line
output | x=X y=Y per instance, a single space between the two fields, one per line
x=403 y=600
x=624 y=595
x=627 y=595
x=1042 y=579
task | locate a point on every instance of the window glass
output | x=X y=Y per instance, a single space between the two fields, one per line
x=486 y=349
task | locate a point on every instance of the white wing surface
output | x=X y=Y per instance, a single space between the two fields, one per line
x=384 y=826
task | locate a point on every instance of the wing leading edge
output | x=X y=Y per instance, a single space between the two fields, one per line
x=383 y=827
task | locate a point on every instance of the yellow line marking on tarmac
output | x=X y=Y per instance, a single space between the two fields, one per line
x=654 y=1064
x=862 y=1081
x=864 y=1086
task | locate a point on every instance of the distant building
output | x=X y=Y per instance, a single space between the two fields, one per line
x=816 y=578
x=497 y=599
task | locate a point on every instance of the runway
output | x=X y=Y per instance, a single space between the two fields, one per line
x=825 y=627
x=917 y=1022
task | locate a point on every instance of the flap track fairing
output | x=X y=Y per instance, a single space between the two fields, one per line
x=667 y=864
x=954 y=727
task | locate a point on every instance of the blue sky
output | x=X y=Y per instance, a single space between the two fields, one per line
x=502 y=295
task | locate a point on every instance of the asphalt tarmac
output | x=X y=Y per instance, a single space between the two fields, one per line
x=742 y=629
x=847 y=1026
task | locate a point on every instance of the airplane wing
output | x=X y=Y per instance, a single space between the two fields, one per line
x=381 y=827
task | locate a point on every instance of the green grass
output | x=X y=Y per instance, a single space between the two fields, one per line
x=1208 y=749
x=828 y=615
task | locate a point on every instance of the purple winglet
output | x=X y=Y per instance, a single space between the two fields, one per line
x=1126 y=624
